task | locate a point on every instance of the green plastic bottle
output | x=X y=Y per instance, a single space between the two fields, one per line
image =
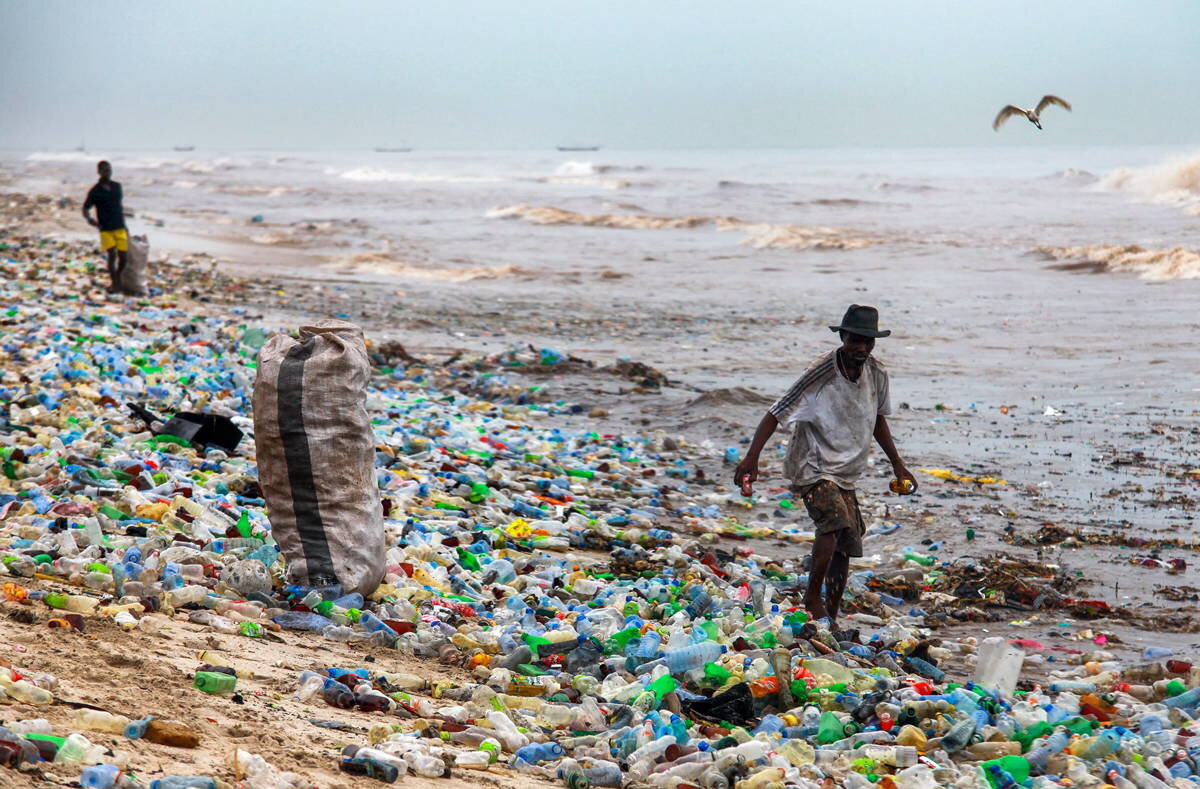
x=250 y=629
x=921 y=559
x=1016 y=766
x=1027 y=735
x=616 y=642
x=1080 y=725
x=214 y=682
x=56 y=599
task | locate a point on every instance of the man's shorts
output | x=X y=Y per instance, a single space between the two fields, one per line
x=834 y=510
x=114 y=238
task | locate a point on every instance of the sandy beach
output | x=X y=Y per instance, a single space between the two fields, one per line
x=1038 y=341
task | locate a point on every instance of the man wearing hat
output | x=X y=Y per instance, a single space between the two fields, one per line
x=834 y=409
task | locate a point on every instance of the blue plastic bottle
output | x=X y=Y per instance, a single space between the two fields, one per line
x=1187 y=700
x=540 y=752
x=771 y=724
x=135 y=730
x=100 y=776
x=1055 y=743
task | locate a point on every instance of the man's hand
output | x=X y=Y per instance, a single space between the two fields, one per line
x=92 y=222
x=746 y=474
x=902 y=473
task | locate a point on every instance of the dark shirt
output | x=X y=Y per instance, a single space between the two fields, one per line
x=107 y=200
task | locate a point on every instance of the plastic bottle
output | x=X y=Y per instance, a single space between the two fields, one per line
x=100 y=776
x=506 y=732
x=1055 y=743
x=135 y=730
x=893 y=756
x=214 y=683
x=371 y=768
x=686 y=658
x=98 y=720
x=183 y=782
x=76 y=750
x=425 y=765
x=959 y=735
x=1185 y=701
x=27 y=692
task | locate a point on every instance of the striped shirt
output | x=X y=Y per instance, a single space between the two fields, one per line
x=832 y=421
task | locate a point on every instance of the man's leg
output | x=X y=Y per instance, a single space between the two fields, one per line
x=834 y=513
x=122 y=262
x=822 y=556
x=835 y=583
x=112 y=269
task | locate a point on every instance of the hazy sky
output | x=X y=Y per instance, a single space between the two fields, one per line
x=622 y=73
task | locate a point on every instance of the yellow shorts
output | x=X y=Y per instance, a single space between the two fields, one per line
x=114 y=238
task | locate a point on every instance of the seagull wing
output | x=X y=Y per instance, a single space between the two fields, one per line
x=1005 y=114
x=1048 y=100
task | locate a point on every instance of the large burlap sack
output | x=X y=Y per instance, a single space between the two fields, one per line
x=316 y=456
x=133 y=276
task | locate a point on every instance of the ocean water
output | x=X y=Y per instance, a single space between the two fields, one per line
x=490 y=214
x=1042 y=300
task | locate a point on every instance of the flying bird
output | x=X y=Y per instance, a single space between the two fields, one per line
x=1033 y=115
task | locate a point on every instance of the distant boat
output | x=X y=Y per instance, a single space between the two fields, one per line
x=185 y=148
x=81 y=148
x=393 y=150
x=579 y=147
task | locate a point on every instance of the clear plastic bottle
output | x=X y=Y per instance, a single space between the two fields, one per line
x=183 y=782
x=506 y=731
x=77 y=750
x=32 y=726
x=425 y=765
x=99 y=720
x=29 y=693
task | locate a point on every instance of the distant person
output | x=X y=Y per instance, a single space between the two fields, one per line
x=110 y=219
x=834 y=409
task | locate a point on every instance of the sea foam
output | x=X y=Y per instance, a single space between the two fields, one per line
x=1174 y=263
x=1176 y=182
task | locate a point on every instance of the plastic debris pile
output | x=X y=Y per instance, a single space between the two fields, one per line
x=604 y=617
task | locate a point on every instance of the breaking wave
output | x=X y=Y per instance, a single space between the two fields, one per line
x=1175 y=182
x=383 y=264
x=1174 y=263
x=192 y=166
x=549 y=215
x=767 y=236
x=66 y=156
x=758 y=235
x=895 y=186
x=379 y=175
x=590 y=173
x=573 y=168
x=1073 y=176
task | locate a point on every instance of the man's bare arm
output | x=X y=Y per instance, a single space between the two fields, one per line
x=746 y=472
x=883 y=436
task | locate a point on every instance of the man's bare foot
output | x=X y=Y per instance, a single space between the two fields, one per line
x=816 y=608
